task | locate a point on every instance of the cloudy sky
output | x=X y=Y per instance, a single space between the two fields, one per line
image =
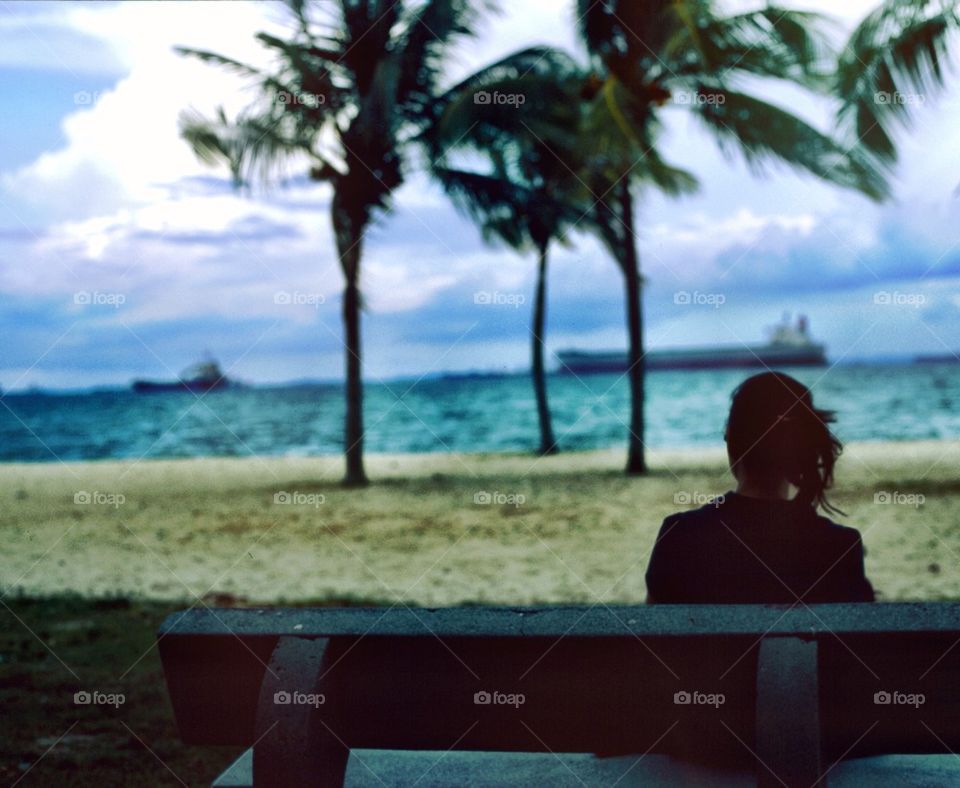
x=122 y=256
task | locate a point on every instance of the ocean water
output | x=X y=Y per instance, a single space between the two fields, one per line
x=684 y=409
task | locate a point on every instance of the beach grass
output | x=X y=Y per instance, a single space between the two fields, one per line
x=55 y=647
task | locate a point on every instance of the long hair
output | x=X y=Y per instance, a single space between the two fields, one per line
x=774 y=431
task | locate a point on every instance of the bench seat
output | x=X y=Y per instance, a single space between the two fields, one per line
x=433 y=769
x=788 y=695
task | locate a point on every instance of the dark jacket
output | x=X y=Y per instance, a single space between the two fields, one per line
x=748 y=550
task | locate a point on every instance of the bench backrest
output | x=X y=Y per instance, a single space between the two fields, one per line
x=785 y=685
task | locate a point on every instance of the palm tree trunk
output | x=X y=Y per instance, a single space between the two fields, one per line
x=636 y=461
x=353 y=423
x=349 y=240
x=548 y=444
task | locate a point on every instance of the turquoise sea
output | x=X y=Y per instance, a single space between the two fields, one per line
x=496 y=414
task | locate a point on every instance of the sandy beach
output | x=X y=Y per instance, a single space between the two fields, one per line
x=432 y=529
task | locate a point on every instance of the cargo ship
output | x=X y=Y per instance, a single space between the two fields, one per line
x=939 y=358
x=789 y=345
x=200 y=377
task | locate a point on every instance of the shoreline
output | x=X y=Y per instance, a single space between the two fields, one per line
x=688 y=454
x=433 y=528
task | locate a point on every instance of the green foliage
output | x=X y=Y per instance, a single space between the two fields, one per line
x=688 y=54
x=511 y=166
x=896 y=59
x=766 y=134
x=344 y=97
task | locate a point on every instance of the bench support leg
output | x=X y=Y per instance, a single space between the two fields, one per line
x=788 y=714
x=296 y=742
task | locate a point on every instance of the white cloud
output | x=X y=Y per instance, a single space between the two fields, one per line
x=124 y=213
x=122 y=145
x=40 y=36
x=744 y=227
x=124 y=148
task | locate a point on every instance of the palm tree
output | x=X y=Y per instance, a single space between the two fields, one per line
x=544 y=176
x=526 y=195
x=348 y=97
x=651 y=53
x=521 y=217
x=895 y=58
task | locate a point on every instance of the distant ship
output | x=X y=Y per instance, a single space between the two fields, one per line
x=788 y=346
x=470 y=375
x=940 y=358
x=200 y=377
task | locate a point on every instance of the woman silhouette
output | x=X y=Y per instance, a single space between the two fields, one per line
x=765 y=543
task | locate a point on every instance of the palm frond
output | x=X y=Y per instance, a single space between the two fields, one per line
x=516 y=214
x=895 y=59
x=770 y=42
x=252 y=147
x=308 y=82
x=538 y=68
x=765 y=134
x=628 y=36
x=305 y=92
x=493 y=203
x=673 y=181
x=211 y=142
x=206 y=56
x=429 y=32
x=470 y=115
x=618 y=126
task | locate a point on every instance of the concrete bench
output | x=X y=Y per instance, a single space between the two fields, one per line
x=734 y=695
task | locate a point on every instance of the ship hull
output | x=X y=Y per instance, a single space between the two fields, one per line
x=735 y=358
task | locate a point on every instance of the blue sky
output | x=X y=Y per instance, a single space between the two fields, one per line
x=122 y=256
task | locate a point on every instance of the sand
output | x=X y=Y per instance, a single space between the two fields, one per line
x=569 y=528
